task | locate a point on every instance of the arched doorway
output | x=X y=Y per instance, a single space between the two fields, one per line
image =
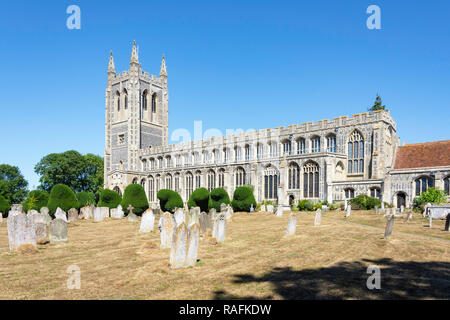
x=401 y=199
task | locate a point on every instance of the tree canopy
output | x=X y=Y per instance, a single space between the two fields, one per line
x=13 y=186
x=78 y=172
x=378 y=104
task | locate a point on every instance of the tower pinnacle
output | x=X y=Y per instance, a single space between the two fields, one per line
x=111 y=66
x=134 y=54
x=163 y=71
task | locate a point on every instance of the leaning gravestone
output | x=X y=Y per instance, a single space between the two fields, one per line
x=42 y=233
x=178 y=248
x=318 y=218
x=131 y=217
x=223 y=207
x=447 y=223
x=349 y=210
x=279 y=212
x=179 y=216
x=60 y=214
x=192 y=245
x=98 y=214
x=167 y=230
x=147 y=221
x=21 y=230
x=228 y=212
x=58 y=231
x=87 y=212
x=212 y=211
x=389 y=227
x=205 y=222
x=194 y=216
x=221 y=228
x=45 y=216
x=73 y=214
x=292 y=224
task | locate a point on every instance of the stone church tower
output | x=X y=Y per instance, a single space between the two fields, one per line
x=136 y=117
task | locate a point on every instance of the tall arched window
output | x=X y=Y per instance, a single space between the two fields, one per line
x=144 y=100
x=287 y=147
x=447 y=185
x=143 y=183
x=125 y=98
x=349 y=193
x=198 y=179
x=189 y=184
x=221 y=178
x=135 y=181
x=331 y=143
x=273 y=152
x=158 y=183
x=177 y=181
x=247 y=152
x=237 y=154
x=211 y=180
x=151 y=185
x=356 y=153
x=240 y=177
x=422 y=184
x=226 y=155
x=117 y=189
x=270 y=184
x=152 y=163
x=315 y=144
x=259 y=150
x=294 y=176
x=118 y=100
x=144 y=164
x=311 y=180
x=154 y=102
x=169 y=181
x=301 y=146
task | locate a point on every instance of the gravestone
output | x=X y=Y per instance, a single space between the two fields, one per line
x=192 y=245
x=270 y=208
x=228 y=212
x=279 y=212
x=205 y=222
x=105 y=212
x=42 y=233
x=60 y=214
x=221 y=228
x=21 y=229
x=252 y=209
x=194 y=215
x=318 y=218
x=409 y=216
x=98 y=214
x=389 y=227
x=179 y=216
x=377 y=211
x=147 y=221
x=73 y=214
x=117 y=213
x=179 y=246
x=167 y=230
x=382 y=206
x=447 y=223
x=324 y=208
x=263 y=208
x=131 y=217
x=431 y=221
x=212 y=211
x=223 y=207
x=58 y=231
x=402 y=208
x=345 y=204
x=87 y=212
x=292 y=224
x=349 y=210
x=45 y=216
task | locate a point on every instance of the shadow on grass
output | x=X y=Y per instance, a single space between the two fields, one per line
x=347 y=280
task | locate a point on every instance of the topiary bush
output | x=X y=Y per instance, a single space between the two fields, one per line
x=4 y=206
x=219 y=196
x=134 y=194
x=35 y=200
x=61 y=196
x=86 y=199
x=110 y=199
x=199 y=198
x=243 y=199
x=364 y=202
x=169 y=200
x=305 y=205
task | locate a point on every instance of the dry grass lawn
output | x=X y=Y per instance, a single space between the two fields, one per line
x=256 y=261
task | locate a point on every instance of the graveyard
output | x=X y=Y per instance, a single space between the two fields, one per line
x=323 y=258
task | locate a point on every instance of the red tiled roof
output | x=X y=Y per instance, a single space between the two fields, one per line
x=421 y=155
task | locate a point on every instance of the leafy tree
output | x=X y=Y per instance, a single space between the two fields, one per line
x=78 y=172
x=110 y=199
x=62 y=197
x=378 y=104
x=36 y=200
x=85 y=198
x=433 y=196
x=13 y=185
x=4 y=206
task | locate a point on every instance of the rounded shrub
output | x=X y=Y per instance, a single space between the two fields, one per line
x=36 y=200
x=134 y=195
x=243 y=199
x=364 y=202
x=219 y=196
x=169 y=200
x=61 y=196
x=110 y=199
x=199 y=198
x=86 y=198
x=4 y=206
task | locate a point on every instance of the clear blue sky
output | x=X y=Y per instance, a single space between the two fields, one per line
x=231 y=64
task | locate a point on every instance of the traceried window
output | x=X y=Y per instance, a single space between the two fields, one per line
x=375 y=192
x=273 y=152
x=315 y=144
x=151 y=184
x=189 y=184
x=118 y=100
x=177 y=181
x=160 y=163
x=221 y=178
x=154 y=102
x=247 y=152
x=211 y=180
x=144 y=100
x=287 y=148
x=121 y=139
x=331 y=143
x=447 y=185
x=198 y=179
x=144 y=164
x=169 y=182
x=169 y=162
x=301 y=146
x=422 y=184
x=349 y=193
x=187 y=160
x=240 y=177
x=237 y=154
x=259 y=151
x=311 y=180
x=152 y=163
x=226 y=155
x=356 y=153
x=294 y=176
x=125 y=98
x=270 y=184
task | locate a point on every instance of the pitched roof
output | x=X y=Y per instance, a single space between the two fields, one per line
x=423 y=155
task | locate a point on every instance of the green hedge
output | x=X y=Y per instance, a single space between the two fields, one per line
x=218 y=196
x=243 y=199
x=4 y=206
x=109 y=198
x=134 y=194
x=36 y=200
x=61 y=196
x=365 y=202
x=305 y=205
x=85 y=199
x=169 y=200
x=199 y=198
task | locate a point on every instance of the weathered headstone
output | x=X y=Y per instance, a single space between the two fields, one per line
x=447 y=223
x=98 y=214
x=223 y=207
x=192 y=245
x=263 y=208
x=402 y=208
x=167 y=230
x=58 y=231
x=212 y=211
x=179 y=246
x=382 y=206
x=179 y=216
x=45 y=216
x=221 y=228
x=194 y=216
x=147 y=221
x=349 y=210
x=431 y=220
x=73 y=214
x=117 y=213
x=389 y=227
x=228 y=212
x=87 y=212
x=292 y=224
x=270 y=208
x=252 y=209
x=105 y=212
x=60 y=214
x=318 y=218
x=21 y=230
x=42 y=232
x=279 y=212
x=131 y=217
x=345 y=204
x=205 y=222
x=409 y=216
